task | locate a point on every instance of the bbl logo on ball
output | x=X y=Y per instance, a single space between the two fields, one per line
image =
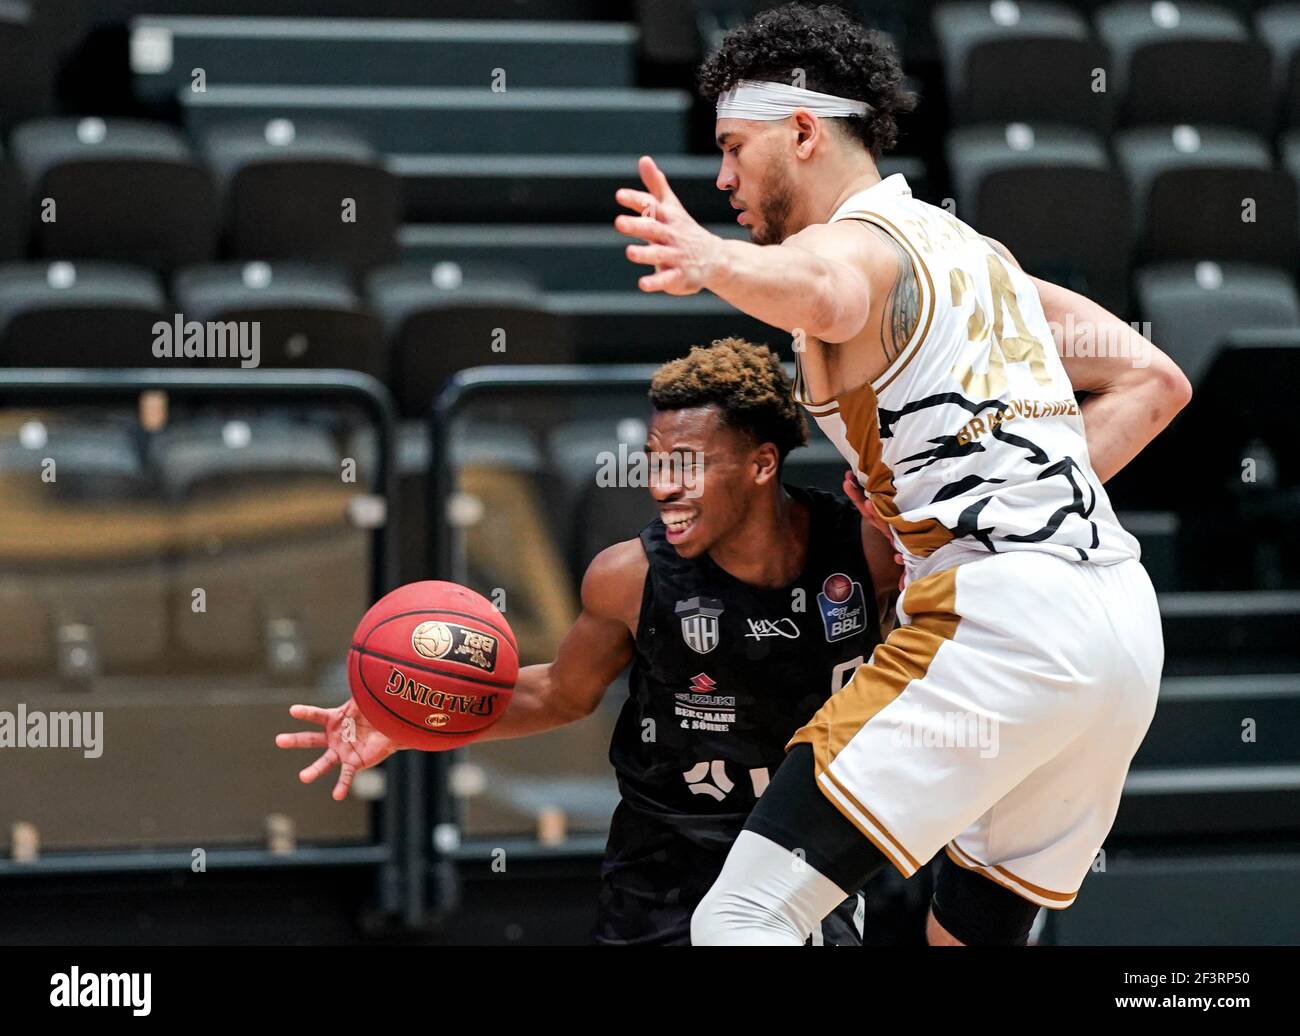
x=434 y=639
x=431 y=639
x=842 y=607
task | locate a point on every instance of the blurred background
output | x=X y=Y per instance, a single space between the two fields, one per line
x=395 y=191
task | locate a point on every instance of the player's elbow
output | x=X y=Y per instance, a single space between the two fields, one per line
x=1170 y=386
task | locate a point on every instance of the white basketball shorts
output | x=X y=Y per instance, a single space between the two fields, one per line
x=998 y=720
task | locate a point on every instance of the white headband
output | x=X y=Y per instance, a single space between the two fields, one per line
x=753 y=99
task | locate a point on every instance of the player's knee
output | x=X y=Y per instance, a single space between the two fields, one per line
x=976 y=911
x=726 y=916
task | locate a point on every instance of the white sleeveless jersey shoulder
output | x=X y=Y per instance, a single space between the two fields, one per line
x=971 y=439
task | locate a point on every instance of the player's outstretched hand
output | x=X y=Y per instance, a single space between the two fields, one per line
x=349 y=740
x=685 y=255
x=854 y=491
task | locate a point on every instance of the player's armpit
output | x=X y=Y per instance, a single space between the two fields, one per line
x=1135 y=389
x=592 y=653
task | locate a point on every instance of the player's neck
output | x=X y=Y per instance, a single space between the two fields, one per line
x=842 y=186
x=771 y=546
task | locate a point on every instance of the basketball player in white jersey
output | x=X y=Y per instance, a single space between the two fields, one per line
x=997 y=721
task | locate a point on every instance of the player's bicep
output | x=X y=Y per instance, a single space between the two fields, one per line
x=599 y=644
x=844 y=286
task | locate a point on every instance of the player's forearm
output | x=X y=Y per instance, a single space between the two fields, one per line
x=1121 y=421
x=538 y=705
x=786 y=287
x=1135 y=389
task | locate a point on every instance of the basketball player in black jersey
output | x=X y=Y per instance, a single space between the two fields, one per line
x=741 y=610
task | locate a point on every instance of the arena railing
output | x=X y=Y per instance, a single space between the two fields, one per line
x=389 y=850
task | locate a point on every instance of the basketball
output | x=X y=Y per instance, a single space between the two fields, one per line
x=433 y=665
x=837 y=588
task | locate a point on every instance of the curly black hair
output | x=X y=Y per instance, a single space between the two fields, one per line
x=836 y=55
x=746 y=382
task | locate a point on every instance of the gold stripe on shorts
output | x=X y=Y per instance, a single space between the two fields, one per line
x=1022 y=888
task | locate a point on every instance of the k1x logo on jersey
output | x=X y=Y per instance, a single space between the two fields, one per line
x=843 y=607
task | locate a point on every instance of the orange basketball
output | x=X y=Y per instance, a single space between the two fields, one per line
x=433 y=665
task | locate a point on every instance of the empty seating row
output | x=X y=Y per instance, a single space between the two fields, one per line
x=1056 y=198
x=413 y=325
x=1006 y=61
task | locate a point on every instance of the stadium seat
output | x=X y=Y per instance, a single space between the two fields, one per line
x=1051 y=195
x=577 y=257
x=305 y=315
x=594 y=509
x=90 y=314
x=13 y=213
x=1021 y=62
x=1244 y=207
x=115 y=189
x=442 y=318
x=1192 y=307
x=1154 y=48
x=818 y=464
x=26 y=81
x=1278 y=26
x=304 y=192
x=465 y=120
x=210 y=455
x=633 y=327
x=343 y=52
x=253 y=495
x=73 y=490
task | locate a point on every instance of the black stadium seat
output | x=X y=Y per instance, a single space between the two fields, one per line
x=26 y=80
x=90 y=314
x=443 y=317
x=286 y=188
x=306 y=315
x=1193 y=189
x=1029 y=62
x=1051 y=195
x=1279 y=27
x=1193 y=307
x=122 y=190
x=13 y=213
x=1185 y=62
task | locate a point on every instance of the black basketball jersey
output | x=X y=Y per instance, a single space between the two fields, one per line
x=723 y=675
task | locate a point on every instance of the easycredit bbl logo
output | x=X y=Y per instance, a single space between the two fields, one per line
x=842 y=607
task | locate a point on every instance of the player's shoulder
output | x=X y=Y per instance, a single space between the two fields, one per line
x=615 y=578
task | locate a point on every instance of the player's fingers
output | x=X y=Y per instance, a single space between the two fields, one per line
x=643 y=227
x=654 y=179
x=651 y=255
x=637 y=201
x=310 y=713
x=322 y=765
x=664 y=280
x=344 y=782
x=302 y=739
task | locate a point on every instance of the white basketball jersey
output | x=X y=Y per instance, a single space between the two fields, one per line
x=971 y=439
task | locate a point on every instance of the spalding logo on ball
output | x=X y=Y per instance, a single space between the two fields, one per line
x=433 y=665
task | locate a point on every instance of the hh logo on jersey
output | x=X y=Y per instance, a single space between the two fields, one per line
x=843 y=609
x=700 y=623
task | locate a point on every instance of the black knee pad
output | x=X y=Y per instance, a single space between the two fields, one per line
x=977 y=911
